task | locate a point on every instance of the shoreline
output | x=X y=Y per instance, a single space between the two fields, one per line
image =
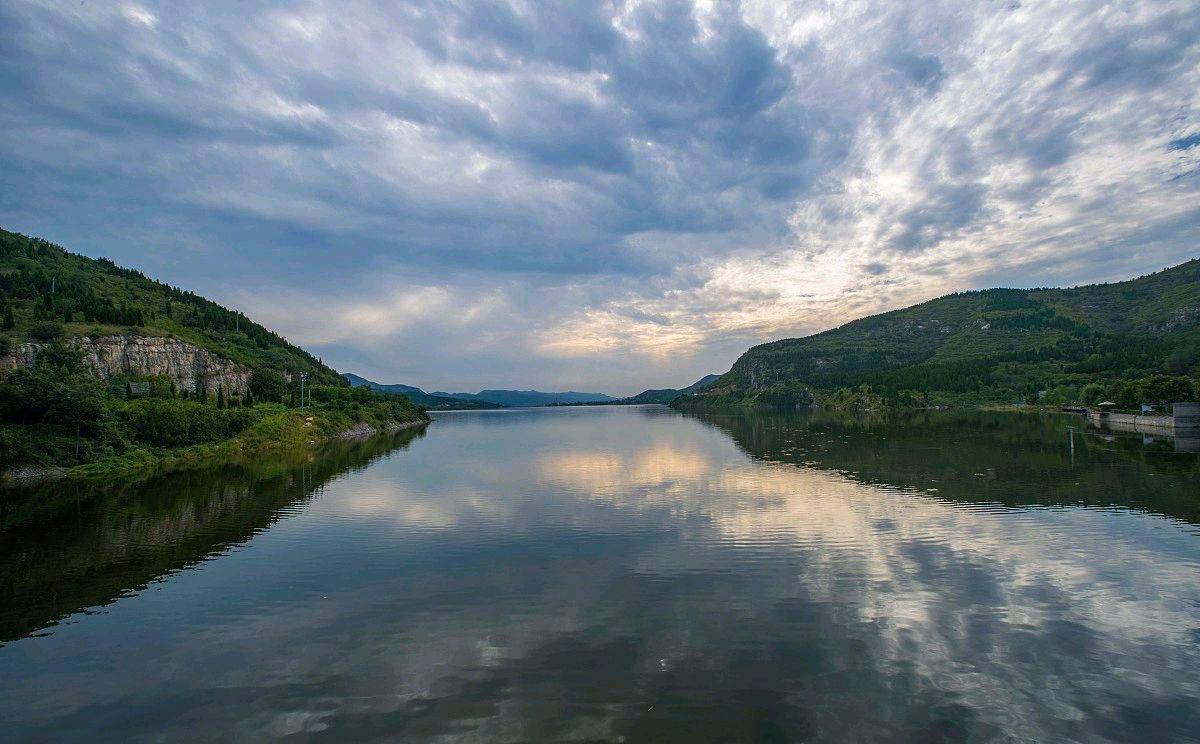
x=295 y=428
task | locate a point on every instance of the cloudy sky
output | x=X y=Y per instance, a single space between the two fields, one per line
x=598 y=195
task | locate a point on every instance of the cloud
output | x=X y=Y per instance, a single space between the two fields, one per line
x=664 y=181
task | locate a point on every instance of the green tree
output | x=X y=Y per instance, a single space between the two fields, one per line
x=46 y=330
x=9 y=321
x=220 y=395
x=1091 y=393
x=267 y=385
x=57 y=390
x=1124 y=393
x=1165 y=389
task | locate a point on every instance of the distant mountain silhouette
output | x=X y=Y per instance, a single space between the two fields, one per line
x=666 y=395
x=521 y=398
x=433 y=402
x=482 y=399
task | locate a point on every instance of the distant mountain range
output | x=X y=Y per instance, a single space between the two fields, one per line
x=484 y=398
x=523 y=398
x=666 y=395
x=431 y=401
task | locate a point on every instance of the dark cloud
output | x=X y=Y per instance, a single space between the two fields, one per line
x=586 y=162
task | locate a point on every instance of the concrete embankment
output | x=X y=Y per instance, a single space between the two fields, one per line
x=1183 y=424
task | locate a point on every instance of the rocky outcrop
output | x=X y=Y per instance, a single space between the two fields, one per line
x=138 y=356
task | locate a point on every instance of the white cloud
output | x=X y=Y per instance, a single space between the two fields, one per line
x=640 y=189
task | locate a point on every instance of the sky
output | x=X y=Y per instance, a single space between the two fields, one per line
x=595 y=195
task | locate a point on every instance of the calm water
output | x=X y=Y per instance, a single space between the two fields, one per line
x=609 y=574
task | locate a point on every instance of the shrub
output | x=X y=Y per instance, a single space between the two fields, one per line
x=161 y=422
x=1091 y=393
x=1165 y=389
x=46 y=330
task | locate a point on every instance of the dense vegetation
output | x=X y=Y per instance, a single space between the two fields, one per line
x=48 y=293
x=1133 y=342
x=56 y=414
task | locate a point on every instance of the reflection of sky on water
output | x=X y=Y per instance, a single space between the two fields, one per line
x=605 y=573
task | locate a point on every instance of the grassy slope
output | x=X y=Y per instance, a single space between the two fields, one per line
x=28 y=265
x=279 y=429
x=985 y=345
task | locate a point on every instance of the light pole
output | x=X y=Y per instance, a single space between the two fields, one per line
x=303 y=379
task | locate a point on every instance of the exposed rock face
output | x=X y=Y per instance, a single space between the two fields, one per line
x=110 y=356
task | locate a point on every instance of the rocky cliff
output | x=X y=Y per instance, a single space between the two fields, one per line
x=136 y=356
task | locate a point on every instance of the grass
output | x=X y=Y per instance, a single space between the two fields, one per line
x=277 y=431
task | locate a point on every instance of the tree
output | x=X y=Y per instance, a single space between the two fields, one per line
x=57 y=390
x=220 y=395
x=46 y=330
x=1091 y=393
x=1165 y=389
x=9 y=321
x=1124 y=393
x=267 y=385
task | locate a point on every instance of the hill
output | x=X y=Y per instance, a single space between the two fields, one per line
x=1132 y=341
x=666 y=395
x=47 y=293
x=101 y=366
x=420 y=397
x=531 y=398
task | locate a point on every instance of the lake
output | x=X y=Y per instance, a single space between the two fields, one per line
x=621 y=574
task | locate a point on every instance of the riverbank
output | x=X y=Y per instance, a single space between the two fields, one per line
x=278 y=430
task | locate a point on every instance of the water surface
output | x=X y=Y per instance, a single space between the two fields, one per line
x=622 y=574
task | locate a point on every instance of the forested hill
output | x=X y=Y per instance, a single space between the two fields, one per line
x=105 y=372
x=47 y=292
x=1133 y=341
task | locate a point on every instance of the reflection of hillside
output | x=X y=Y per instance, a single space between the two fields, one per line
x=980 y=457
x=67 y=547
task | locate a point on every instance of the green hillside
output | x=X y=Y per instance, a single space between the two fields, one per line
x=57 y=417
x=47 y=292
x=1133 y=341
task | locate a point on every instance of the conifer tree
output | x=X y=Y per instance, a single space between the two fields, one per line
x=220 y=396
x=9 y=321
